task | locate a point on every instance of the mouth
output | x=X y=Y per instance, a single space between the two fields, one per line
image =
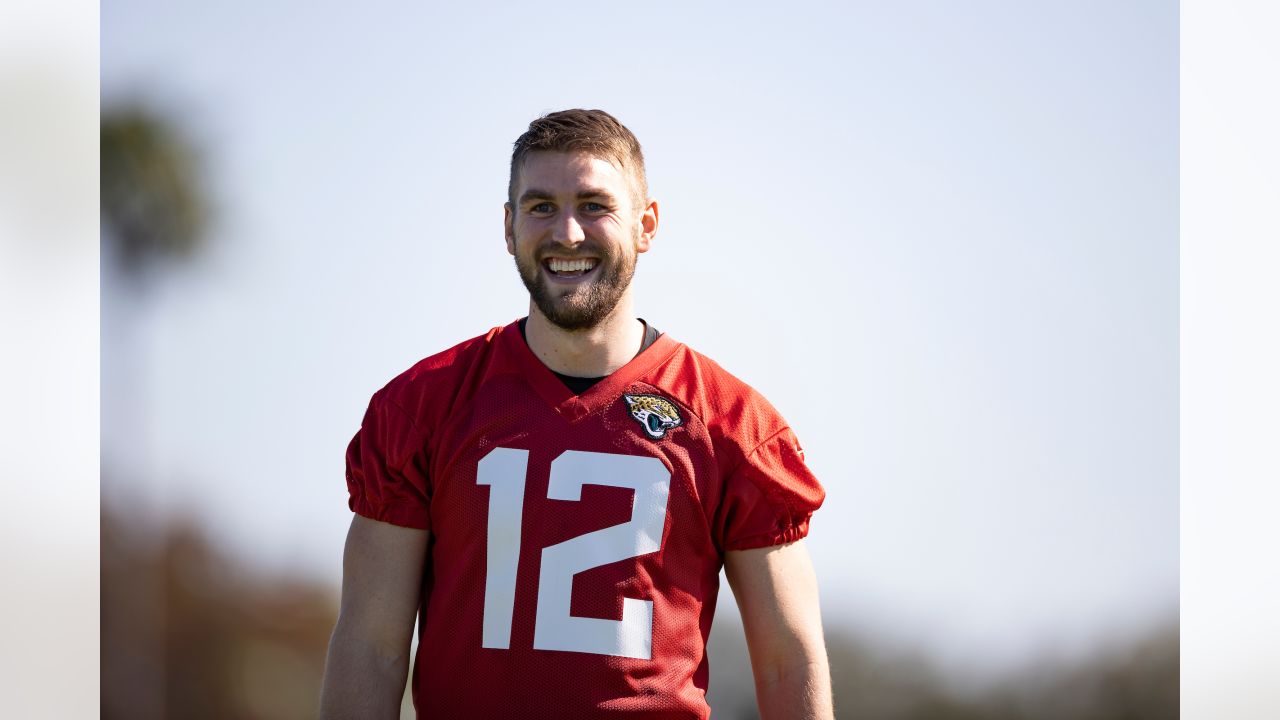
x=570 y=270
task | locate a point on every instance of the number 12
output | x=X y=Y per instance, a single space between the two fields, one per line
x=504 y=471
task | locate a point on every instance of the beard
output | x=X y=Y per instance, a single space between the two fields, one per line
x=586 y=305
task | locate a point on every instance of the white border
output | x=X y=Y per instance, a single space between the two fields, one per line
x=49 y=369
x=1230 y=360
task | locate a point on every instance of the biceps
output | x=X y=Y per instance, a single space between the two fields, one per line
x=777 y=595
x=382 y=568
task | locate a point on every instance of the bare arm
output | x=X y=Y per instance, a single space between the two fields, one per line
x=368 y=661
x=777 y=595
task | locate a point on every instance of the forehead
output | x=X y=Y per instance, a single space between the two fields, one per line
x=557 y=172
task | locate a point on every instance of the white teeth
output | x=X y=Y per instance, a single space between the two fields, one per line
x=560 y=266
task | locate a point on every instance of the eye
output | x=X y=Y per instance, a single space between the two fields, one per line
x=540 y=208
x=594 y=207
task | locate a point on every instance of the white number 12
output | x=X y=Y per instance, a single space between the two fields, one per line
x=503 y=470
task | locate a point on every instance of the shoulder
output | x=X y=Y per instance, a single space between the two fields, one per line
x=733 y=411
x=435 y=383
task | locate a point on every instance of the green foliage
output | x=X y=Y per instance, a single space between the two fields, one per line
x=152 y=203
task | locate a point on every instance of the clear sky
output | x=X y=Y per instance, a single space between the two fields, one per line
x=941 y=238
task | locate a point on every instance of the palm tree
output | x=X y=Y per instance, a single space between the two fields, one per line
x=152 y=203
x=153 y=208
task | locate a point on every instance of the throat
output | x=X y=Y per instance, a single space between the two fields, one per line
x=579 y=382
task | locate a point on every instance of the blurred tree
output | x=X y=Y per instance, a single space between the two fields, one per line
x=153 y=208
x=152 y=203
x=1137 y=679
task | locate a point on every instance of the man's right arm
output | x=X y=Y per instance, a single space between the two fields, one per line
x=368 y=661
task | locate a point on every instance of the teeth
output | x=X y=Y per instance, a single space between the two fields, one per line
x=560 y=266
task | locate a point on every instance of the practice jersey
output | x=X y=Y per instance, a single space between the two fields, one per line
x=576 y=541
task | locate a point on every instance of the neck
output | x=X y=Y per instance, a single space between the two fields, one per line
x=592 y=352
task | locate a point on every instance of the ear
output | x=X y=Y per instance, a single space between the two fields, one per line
x=508 y=227
x=648 y=226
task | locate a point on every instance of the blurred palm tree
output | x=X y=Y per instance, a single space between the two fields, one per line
x=153 y=208
x=153 y=205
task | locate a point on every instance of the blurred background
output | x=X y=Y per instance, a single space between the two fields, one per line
x=941 y=239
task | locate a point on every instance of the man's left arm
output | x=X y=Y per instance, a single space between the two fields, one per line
x=777 y=595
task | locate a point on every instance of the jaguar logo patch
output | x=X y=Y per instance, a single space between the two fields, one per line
x=655 y=414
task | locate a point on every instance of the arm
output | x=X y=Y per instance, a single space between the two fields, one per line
x=777 y=595
x=368 y=661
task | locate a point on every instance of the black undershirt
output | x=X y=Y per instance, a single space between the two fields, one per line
x=579 y=385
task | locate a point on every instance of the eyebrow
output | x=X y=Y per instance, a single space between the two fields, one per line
x=583 y=194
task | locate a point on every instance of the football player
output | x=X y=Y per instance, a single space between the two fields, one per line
x=553 y=500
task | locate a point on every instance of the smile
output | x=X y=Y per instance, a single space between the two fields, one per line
x=562 y=269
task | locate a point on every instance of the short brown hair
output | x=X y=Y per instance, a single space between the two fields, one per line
x=593 y=131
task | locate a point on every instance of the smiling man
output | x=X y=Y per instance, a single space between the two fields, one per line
x=553 y=501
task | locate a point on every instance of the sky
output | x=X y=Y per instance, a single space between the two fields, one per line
x=941 y=239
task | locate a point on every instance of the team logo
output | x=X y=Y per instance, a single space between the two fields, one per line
x=655 y=414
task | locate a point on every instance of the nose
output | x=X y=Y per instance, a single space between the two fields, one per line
x=568 y=231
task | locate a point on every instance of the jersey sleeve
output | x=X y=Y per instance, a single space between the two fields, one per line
x=769 y=497
x=387 y=467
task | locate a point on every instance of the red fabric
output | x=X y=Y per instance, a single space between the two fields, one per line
x=737 y=481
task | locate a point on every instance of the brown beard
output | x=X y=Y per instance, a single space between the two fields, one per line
x=583 y=307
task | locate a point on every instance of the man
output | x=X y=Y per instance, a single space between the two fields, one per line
x=554 y=499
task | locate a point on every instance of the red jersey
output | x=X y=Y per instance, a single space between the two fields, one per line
x=576 y=540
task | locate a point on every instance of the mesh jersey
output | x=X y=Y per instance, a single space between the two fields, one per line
x=576 y=540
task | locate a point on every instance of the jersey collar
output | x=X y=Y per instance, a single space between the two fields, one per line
x=575 y=407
